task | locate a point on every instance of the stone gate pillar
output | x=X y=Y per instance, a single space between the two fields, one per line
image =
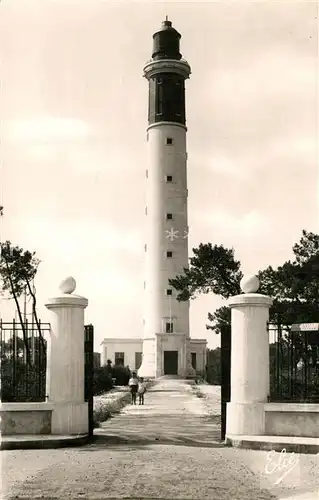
x=65 y=370
x=249 y=360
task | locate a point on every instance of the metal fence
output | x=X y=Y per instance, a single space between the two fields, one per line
x=294 y=362
x=23 y=354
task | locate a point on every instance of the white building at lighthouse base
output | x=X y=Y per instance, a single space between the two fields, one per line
x=128 y=352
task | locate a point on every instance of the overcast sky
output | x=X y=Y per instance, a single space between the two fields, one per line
x=73 y=130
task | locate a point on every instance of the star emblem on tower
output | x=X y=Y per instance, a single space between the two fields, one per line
x=172 y=234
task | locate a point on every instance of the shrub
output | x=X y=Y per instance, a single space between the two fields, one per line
x=213 y=368
x=102 y=378
x=21 y=382
x=101 y=413
x=102 y=381
x=121 y=374
x=105 y=408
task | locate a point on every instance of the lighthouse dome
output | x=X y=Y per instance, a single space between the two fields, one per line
x=166 y=42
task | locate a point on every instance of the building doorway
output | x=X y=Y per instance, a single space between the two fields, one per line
x=170 y=362
x=138 y=360
x=194 y=360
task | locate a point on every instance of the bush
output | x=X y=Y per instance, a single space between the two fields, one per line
x=213 y=375
x=200 y=377
x=121 y=374
x=101 y=413
x=213 y=367
x=104 y=409
x=102 y=378
x=21 y=382
x=102 y=381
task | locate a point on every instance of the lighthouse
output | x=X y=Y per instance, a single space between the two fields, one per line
x=166 y=339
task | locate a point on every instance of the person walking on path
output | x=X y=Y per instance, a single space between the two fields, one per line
x=133 y=385
x=141 y=390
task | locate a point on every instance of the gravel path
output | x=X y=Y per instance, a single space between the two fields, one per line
x=299 y=484
x=167 y=449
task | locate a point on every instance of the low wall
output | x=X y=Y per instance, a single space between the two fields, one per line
x=292 y=419
x=25 y=418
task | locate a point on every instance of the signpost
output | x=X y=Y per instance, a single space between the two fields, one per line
x=305 y=327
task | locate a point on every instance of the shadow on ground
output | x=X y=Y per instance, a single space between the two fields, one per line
x=118 y=443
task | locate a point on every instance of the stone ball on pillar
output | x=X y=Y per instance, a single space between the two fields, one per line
x=68 y=285
x=249 y=283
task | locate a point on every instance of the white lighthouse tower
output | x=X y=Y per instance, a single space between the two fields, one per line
x=166 y=342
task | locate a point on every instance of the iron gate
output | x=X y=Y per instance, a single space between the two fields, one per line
x=294 y=362
x=23 y=359
x=88 y=373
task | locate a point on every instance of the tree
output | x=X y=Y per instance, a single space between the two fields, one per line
x=212 y=269
x=213 y=366
x=220 y=319
x=18 y=268
x=294 y=285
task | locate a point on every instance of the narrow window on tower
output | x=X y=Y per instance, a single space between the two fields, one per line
x=169 y=141
x=169 y=178
x=159 y=96
x=145 y=210
x=145 y=247
x=169 y=327
x=169 y=292
x=178 y=99
x=152 y=100
x=146 y=173
x=169 y=216
x=169 y=254
x=144 y=285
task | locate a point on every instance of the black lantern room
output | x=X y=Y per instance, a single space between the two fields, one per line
x=166 y=88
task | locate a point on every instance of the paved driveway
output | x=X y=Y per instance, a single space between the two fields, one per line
x=167 y=449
